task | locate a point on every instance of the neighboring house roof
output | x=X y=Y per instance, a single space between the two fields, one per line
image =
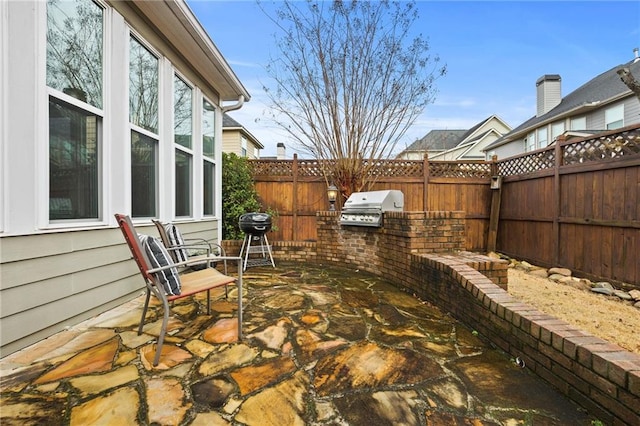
x=601 y=90
x=439 y=143
x=465 y=146
x=437 y=140
x=229 y=123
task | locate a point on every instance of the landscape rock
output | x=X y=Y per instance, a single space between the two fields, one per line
x=622 y=295
x=603 y=284
x=539 y=273
x=560 y=271
x=556 y=277
x=582 y=284
x=602 y=290
x=525 y=265
x=635 y=294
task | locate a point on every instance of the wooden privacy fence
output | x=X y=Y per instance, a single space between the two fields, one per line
x=297 y=189
x=574 y=204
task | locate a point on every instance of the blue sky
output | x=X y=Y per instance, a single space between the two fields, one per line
x=494 y=52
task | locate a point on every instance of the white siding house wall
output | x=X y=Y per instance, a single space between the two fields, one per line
x=507 y=150
x=231 y=142
x=54 y=274
x=631 y=111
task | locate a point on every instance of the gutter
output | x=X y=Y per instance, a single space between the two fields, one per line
x=235 y=106
x=579 y=108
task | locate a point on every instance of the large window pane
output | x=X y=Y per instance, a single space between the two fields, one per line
x=208 y=129
x=579 y=123
x=143 y=175
x=556 y=130
x=182 y=115
x=74 y=49
x=542 y=137
x=614 y=117
x=183 y=183
x=143 y=87
x=73 y=162
x=209 y=173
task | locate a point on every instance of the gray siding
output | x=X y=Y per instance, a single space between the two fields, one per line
x=631 y=111
x=51 y=281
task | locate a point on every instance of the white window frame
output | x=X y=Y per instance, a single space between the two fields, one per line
x=556 y=130
x=160 y=157
x=217 y=171
x=530 y=144
x=613 y=115
x=577 y=121
x=176 y=146
x=4 y=84
x=542 y=137
x=44 y=222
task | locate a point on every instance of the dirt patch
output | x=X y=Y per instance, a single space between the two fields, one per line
x=606 y=317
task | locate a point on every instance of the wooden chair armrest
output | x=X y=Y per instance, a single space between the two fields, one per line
x=196 y=262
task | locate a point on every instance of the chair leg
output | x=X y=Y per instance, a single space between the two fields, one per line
x=239 y=285
x=144 y=311
x=208 y=302
x=163 y=331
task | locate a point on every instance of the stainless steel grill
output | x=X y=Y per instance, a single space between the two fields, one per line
x=367 y=208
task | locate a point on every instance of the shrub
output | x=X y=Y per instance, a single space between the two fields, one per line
x=238 y=194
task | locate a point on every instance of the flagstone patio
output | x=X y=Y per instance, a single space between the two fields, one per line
x=322 y=346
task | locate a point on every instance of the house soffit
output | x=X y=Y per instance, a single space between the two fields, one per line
x=177 y=25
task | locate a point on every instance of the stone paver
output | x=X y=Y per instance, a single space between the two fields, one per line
x=322 y=346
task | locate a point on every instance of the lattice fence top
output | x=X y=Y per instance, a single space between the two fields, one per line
x=600 y=148
x=480 y=169
x=608 y=146
x=529 y=163
x=611 y=145
x=397 y=168
x=310 y=168
x=377 y=169
x=271 y=167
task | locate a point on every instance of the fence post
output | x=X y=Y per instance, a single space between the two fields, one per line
x=494 y=216
x=294 y=200
x=425 y=188
x=556 y=199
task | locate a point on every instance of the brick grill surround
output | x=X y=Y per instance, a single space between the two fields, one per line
x=423 y=252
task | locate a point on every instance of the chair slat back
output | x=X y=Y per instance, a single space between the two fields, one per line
x=131 y=237
x=165 y=238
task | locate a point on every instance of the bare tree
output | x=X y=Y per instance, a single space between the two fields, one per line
x=349 y=81
x=629 y=80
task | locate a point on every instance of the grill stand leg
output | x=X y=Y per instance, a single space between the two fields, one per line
x=246 y=249
x=268 y=249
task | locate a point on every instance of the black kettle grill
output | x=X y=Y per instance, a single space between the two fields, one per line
x=255 y=227
x=256 y=224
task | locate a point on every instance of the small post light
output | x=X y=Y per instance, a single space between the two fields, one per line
x=332 y=194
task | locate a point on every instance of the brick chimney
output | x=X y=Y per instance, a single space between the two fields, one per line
x=548 y=93
x=281 y=151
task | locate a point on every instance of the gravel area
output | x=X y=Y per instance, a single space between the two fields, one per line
x=606 y=317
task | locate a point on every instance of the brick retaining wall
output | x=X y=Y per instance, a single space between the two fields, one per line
x=602 y=377
x=424 y=253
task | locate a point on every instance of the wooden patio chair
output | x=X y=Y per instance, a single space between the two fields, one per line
x=157 y=269
x=182 y=250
